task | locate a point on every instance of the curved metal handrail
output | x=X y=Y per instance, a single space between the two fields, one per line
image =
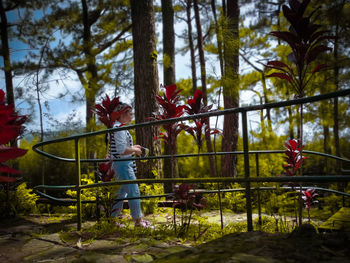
x=72 y=201
x=201 y=115
x=247 y=179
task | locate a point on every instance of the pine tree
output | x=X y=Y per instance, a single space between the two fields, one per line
x=145 y=78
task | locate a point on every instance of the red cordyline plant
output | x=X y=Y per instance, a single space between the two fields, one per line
x=186 y=198
x=309 y=196
x=195 y=105
x=105 y=111
x=10 y=128
x=107 y=115
x=294 y=158
x=169 y=108
x=306 y=41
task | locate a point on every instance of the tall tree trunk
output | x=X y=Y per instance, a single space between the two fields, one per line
x=218 y=32
x=168 y=42
x=92 y=86
x=145 y=79
x=190 y=42
x=231 y=89
x=5 y=49
x=204 y=84
x=170 y=168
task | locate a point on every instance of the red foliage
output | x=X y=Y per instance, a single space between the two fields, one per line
x=305 y=39
x=195 y=105
x=185 y=199
x=106 y=171
x=105 y=111
x=6 y=179
x=10 y=129
x=309 y=196
x=169 y=109
x=294 y=158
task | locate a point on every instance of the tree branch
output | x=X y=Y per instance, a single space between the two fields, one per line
x=109 y=43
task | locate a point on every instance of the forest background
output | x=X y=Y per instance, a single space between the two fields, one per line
x=58 y=55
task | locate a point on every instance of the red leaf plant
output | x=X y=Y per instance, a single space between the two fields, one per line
x=309 y=196
x=105 y=111
x=169 y=109
x=195 y=105
x=105 y=171
x=10 y=128
x=185 y=199
x=306 y=41
x=294 y=158
x=107 y=115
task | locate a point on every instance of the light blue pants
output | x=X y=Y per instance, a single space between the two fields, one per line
x=124 y=171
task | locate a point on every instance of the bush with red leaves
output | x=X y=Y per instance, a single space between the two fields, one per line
x=10 y=128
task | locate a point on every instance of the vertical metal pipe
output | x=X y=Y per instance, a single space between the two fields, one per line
x=97 y=194
x=246 y=171
x=257 y=175
x=220 y=207
x=78 y=172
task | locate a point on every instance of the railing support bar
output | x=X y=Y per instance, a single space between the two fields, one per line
x=78 y=183
x=246 y=171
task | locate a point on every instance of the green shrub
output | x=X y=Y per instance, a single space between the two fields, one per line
x=20 y=201
x=149 y=206
x=234 y=201
x=105 y=195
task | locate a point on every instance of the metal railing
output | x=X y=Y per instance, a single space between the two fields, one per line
x=247 y=179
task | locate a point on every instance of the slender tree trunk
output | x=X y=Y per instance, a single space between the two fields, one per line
x=204 y=84
x=5 y=49
x=231 y=89
x=170 y=168
x=290 y=121
x=326 y=147
x=190 y=41
x=340 y=186
x=265 y=91
x=37 y=85
x=218 y=38
x=266 y=100
x=336 y=100
x=145 y=79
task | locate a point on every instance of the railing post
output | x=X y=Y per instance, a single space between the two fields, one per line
x=220 y=207
x=246 y=171
x=257 y=175
x=78 y=183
